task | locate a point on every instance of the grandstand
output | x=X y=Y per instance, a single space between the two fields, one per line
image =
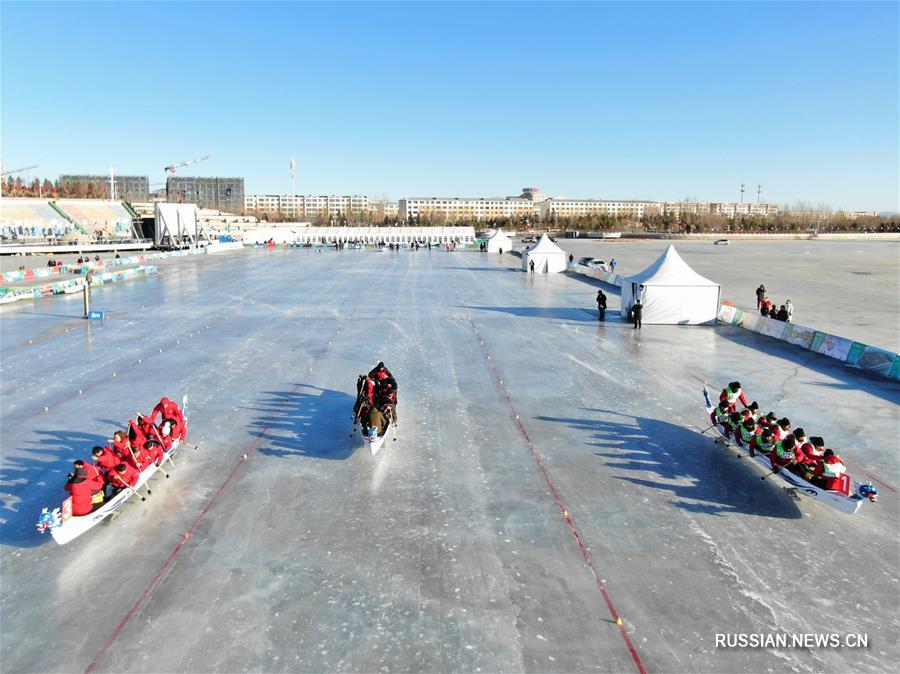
x=101 y=219
x=31 y=220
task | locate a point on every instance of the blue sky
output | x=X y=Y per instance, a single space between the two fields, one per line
x=638 y=100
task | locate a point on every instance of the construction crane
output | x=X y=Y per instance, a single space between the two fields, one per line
x=18 y=170
x=171 y=168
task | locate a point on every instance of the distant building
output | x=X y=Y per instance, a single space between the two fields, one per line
x=308 y=206
x=128 y=188
x=222 y=194
x=729 y=209
x=459 y=208
x=573 y=208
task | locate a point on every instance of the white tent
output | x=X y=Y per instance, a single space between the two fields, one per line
x=548 y=257
x=671 y=293
x=499 y=240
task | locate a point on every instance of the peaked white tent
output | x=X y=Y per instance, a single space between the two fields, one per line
x=548 y=257
x=499 y=240
x=671 y=293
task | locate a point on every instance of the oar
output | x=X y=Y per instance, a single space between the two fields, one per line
x=777 y=469
x=138 y=468
x=166 y=456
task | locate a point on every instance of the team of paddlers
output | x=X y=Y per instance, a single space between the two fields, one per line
x=786 y=448
x=118 y=465
x=376 y=400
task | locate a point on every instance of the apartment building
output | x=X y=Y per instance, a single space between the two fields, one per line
x=730 y=209
x=460 y=208
x=306 y=206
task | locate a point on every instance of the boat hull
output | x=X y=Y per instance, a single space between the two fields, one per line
x=845 y=503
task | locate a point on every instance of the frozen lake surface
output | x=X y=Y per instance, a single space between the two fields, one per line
x=549 y=475
x=847 y=288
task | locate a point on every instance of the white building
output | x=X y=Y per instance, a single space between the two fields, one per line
x=306 y=206
x=573 y=208
x=460 y=208
x=728 y=209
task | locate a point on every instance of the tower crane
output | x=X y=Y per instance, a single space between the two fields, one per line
x=18 y=170
x=171 y=168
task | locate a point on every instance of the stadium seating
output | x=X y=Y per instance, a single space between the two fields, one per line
x=102 y=219
x=31 y=219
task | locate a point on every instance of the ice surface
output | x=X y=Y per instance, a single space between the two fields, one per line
x=847 y=288
x=447 y=551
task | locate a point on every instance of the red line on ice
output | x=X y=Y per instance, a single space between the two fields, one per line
x=142 y=597
x=585 y=553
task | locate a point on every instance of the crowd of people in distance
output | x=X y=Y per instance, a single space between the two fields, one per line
x=766 y=306
x=119 y=464
x=376 y=400
x=785 y=448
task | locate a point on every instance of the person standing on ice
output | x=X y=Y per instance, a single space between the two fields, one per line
x=531 y=265
x=636 y=312
x=612 y=266
x=760 y=296
x=790 y=310
x=601 y=304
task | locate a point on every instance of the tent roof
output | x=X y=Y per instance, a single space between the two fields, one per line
x=670 y=270
x=499 y=233
x=545 y=245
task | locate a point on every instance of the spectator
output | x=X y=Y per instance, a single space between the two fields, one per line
x=531 y=265
x=790 y=310
x=636 y=314
x=601 y=304
x=612 y=266
x=782 y=314
x=760 y=296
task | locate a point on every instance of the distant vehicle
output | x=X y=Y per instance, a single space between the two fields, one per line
x=528 y=239
x=585 y=261
x=721 y=242
x=598 y=264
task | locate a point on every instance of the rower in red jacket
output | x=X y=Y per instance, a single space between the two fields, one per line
x=141 y=458
x=814 y=451
x=120 y=445
x=719 y=416
x=168 y=409
x=830 y=470
x=82 y=492
x=105 y=459
x=781 y=429
x=381 y=373
x=732 y=394
x=785 y=453
x=802 y=444
x=764 y=443
x=154 y=452
x=136 y=436
x=124 y=476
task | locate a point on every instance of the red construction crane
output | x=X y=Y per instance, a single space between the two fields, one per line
x=171 y=168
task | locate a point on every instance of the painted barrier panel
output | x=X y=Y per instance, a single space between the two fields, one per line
x=877 y=360
x=894 y=372
x=831 y=345
x=770 y=327
x=727 y=313
x=799 y=335
x=855 y=353
x=869 y=358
